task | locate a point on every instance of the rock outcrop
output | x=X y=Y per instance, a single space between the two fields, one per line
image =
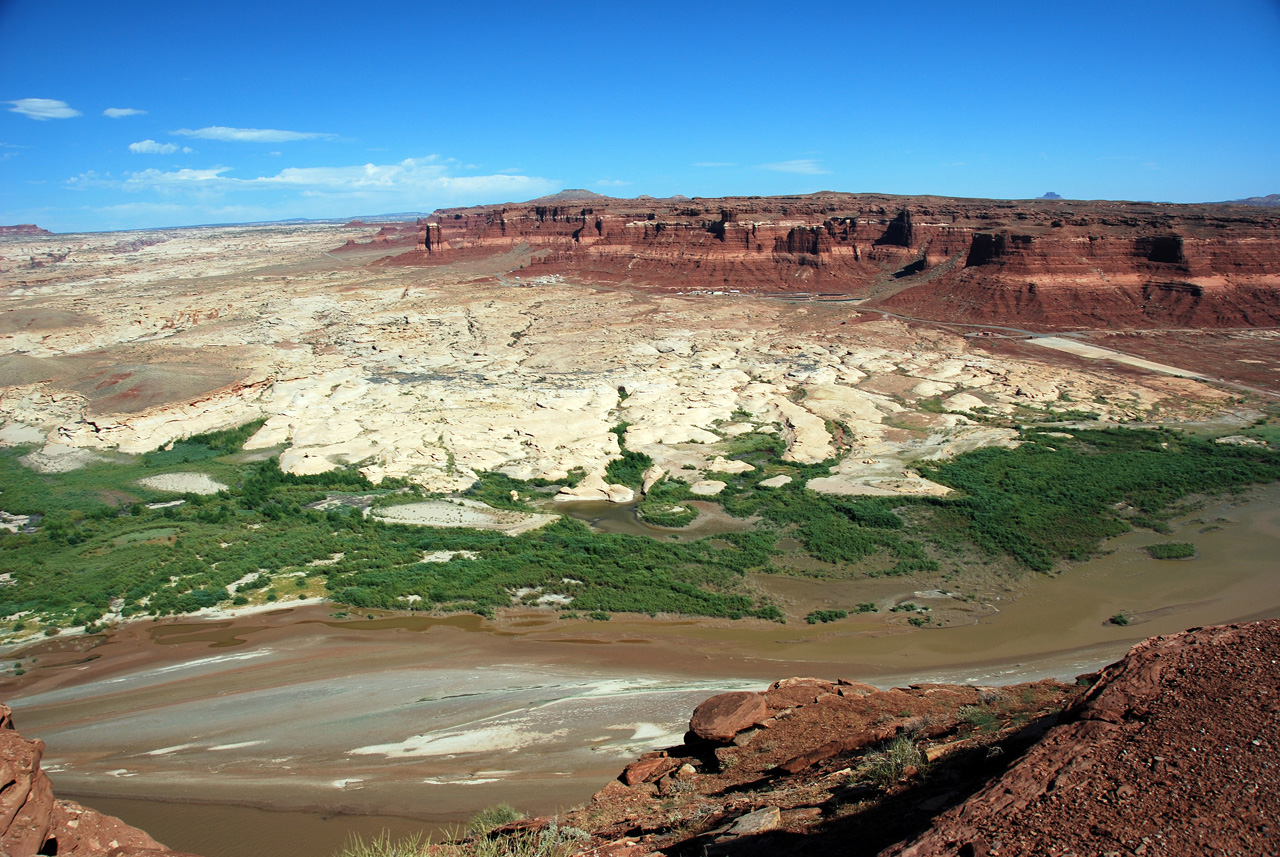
x=33 y=822
x=1043 y=263
x=1173 y=751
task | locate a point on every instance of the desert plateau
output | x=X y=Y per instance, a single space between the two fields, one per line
x=328 y=528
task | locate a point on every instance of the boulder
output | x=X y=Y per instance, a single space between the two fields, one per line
x=725 y=715
x=594 y=487
x=648 y=770
x=793 y=692
x=760 y=821
x=724 y=465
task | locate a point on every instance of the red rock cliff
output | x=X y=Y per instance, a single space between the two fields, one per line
x=1040 y=263
x=32 y=822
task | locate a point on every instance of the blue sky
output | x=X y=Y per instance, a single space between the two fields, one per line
x=134 y=114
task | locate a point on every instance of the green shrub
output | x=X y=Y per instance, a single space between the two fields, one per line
x=665 y=504
x=825 y=616
x=980 y=717
x=890 y=763
x=493 y=817
x=1172 y=550
x=382 y=845
x=629 y=469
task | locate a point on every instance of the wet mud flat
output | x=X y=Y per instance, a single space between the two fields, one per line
x=301 y=719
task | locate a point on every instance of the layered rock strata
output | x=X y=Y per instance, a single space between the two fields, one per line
x=438 y=373
x=1045 y=264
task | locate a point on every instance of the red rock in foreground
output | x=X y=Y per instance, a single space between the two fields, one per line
x=32 y=822
x=725 y=715
x=1176 y=750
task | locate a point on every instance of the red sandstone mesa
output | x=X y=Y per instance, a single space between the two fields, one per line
x=1045 y=264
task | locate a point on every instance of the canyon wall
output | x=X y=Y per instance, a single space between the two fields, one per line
x=1044 y=264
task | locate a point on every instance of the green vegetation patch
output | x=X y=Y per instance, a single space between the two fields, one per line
x=99 y=548
x=668 y=504
x=157 y=534
x=629 y=469
x=1056 y=498
x=91 y=556
x=1172 y=550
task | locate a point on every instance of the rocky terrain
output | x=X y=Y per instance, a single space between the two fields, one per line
x=437 y=373
x=1142 y=758
x=33 y=822
x=537 y=340
x=1043 y=264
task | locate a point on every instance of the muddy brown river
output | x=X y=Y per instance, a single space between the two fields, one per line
x=281 y=733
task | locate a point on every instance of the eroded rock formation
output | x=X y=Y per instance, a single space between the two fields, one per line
x=33 y=822
x=1045 y=263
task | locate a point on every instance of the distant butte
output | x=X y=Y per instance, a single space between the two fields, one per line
x=1041 y=264
x=24 y=229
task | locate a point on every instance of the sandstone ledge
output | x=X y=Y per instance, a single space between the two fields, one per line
x=33 y=822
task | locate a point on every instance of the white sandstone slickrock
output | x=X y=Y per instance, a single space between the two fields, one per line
x=417 y=374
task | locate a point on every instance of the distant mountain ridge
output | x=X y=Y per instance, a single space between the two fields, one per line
x=1270 y=200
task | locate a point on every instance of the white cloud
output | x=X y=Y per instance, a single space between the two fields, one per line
x=250 y=135
x=219 y=193
x=414 y=182
x=121 y=112
x=43 y=108
x=151 y=147
x=159 y=179
x=803 y=166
